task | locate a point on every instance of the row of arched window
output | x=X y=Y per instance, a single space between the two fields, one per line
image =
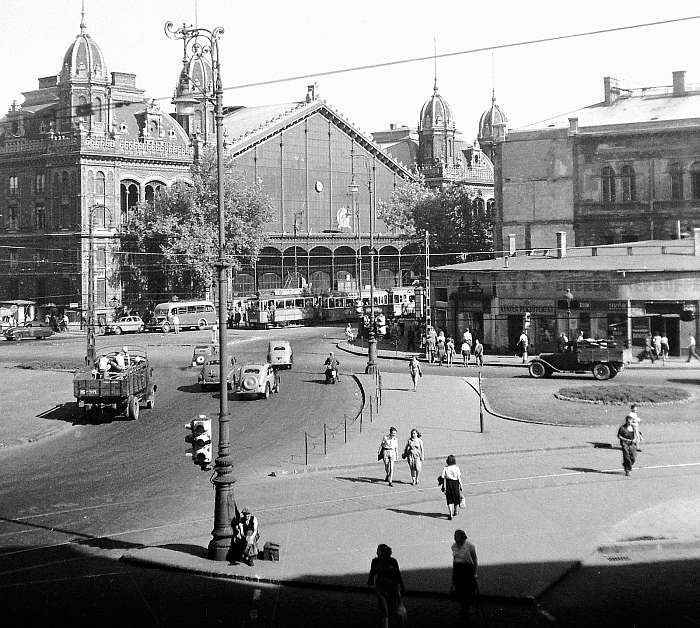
x=622 y=187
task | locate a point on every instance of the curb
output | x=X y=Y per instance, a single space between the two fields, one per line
x=207 y=568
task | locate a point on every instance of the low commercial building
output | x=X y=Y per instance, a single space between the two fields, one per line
x=623 y=291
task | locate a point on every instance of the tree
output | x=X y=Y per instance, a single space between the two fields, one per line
x=457 y=222
x=398 y=214
x=172 y=242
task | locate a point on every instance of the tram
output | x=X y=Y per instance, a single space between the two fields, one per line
x=402 y=301
x=281 y=307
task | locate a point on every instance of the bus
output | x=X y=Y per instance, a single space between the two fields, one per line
x=192 y=315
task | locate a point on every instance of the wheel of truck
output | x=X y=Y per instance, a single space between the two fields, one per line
x=202 y=323
x=537 y=370
x=165 y=327
x=142 y=328
x=133 y=409
x=117 y=331
x=266 y=394
x=151 y=401
x=602 y=371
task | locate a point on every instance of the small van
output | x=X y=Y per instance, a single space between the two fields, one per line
x=280 y=354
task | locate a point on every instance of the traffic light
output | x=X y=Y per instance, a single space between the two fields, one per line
x=200 y=440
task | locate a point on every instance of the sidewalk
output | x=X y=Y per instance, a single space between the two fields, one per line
x=506 y=360
x=329 y=523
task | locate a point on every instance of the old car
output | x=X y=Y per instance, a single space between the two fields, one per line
x=126 y=324
x=604 y=358
x=210 y=373
x=201 y=353
x=31 y=329
x=280 y=354
x=257 y=379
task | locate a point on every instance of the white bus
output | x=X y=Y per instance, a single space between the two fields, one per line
x=192 y=315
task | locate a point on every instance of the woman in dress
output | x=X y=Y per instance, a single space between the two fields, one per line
x=389 y=453
x=452 y=485
x=450 y=348
x=414 y=454
x=464 y=567
x=385 y=576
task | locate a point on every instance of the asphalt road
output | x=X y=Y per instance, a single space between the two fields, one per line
x=72 y=504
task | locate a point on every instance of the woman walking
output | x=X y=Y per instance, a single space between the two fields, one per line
x=464 y=567
x=414 y=454
x=414 y=370
x=478 y=353
x=452 y=485
x=385 y=577
x=441 y=348
x=389 y=453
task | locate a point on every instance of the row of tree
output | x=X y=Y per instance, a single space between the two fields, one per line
x=172 y=243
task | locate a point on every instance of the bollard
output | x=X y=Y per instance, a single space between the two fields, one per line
x=481 y=408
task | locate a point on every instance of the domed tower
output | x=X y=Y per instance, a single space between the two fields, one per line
x=492 y=128
x=83 y=86
x=436 y=140
x=193 y=108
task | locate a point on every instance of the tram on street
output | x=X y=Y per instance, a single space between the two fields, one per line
x=280 y=307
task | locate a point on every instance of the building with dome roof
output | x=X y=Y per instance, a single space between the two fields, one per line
x=82 y=149
x=437 y=152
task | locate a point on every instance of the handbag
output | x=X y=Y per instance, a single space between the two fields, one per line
x=380 y=455
x=462 y=501
x=401 y=612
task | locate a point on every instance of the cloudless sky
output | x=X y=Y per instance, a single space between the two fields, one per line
x=274 y=39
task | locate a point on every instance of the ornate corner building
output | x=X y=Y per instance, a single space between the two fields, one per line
x=80 y=152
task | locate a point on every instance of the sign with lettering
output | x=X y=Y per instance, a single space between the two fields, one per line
x=521 y=306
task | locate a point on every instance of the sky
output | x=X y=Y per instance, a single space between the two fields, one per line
x=277 y=39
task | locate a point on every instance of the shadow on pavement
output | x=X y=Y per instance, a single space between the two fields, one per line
x=690 y=381
x=191 y=388
x=588 y=470
x=417 y=513
x=193 y=550
x=71 y=413
x=364 y=479
x=597 y=445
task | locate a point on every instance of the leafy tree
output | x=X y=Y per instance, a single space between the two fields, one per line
x=456 y=223
x=172 y=243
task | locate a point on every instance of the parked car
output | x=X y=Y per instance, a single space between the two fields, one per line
x=257 y=379
x=201 y=353
x=126 y=324
x=32 y=329
x=280 y=354
x=210 y=374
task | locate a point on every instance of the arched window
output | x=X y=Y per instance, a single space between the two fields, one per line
x=676 y=172
x=478 y=210
x=82 y=110
x=198 y=121
x=628 y=183
x=151 y=192
x=608 y=180
x=97 y=109
x=695 y=179
x=100 y=200
x=491 y=209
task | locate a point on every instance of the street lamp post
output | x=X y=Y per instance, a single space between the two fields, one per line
x=372 y=338
x=297 y=215
x=569 y=296
x=204 y=43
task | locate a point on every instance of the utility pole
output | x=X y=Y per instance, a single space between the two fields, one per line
x=427 y=280
x=204 y=44
x=90 y=351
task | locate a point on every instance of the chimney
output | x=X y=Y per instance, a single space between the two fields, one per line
x=311 y=92
x=511 y=244
x=612 y=90
x=573 y=126
x=696 y=242
x=561 y=244
x=679 y=83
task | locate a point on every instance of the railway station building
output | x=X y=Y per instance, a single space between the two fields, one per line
x=624 y=291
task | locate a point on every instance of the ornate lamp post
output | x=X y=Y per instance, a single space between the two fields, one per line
x=353 y=188
x=204 y=43
x=569 y=296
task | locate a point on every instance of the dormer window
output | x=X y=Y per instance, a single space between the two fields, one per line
x=14 y=185
x=171 y=134
x=123 y=128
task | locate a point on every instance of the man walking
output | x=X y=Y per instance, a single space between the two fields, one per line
x=523 y=341
x=176 y=323
x=691 y=349
x=627 y=436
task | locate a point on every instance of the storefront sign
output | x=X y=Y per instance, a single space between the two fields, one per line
x=617 y=306
x=640 y=328
x=520 y=306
